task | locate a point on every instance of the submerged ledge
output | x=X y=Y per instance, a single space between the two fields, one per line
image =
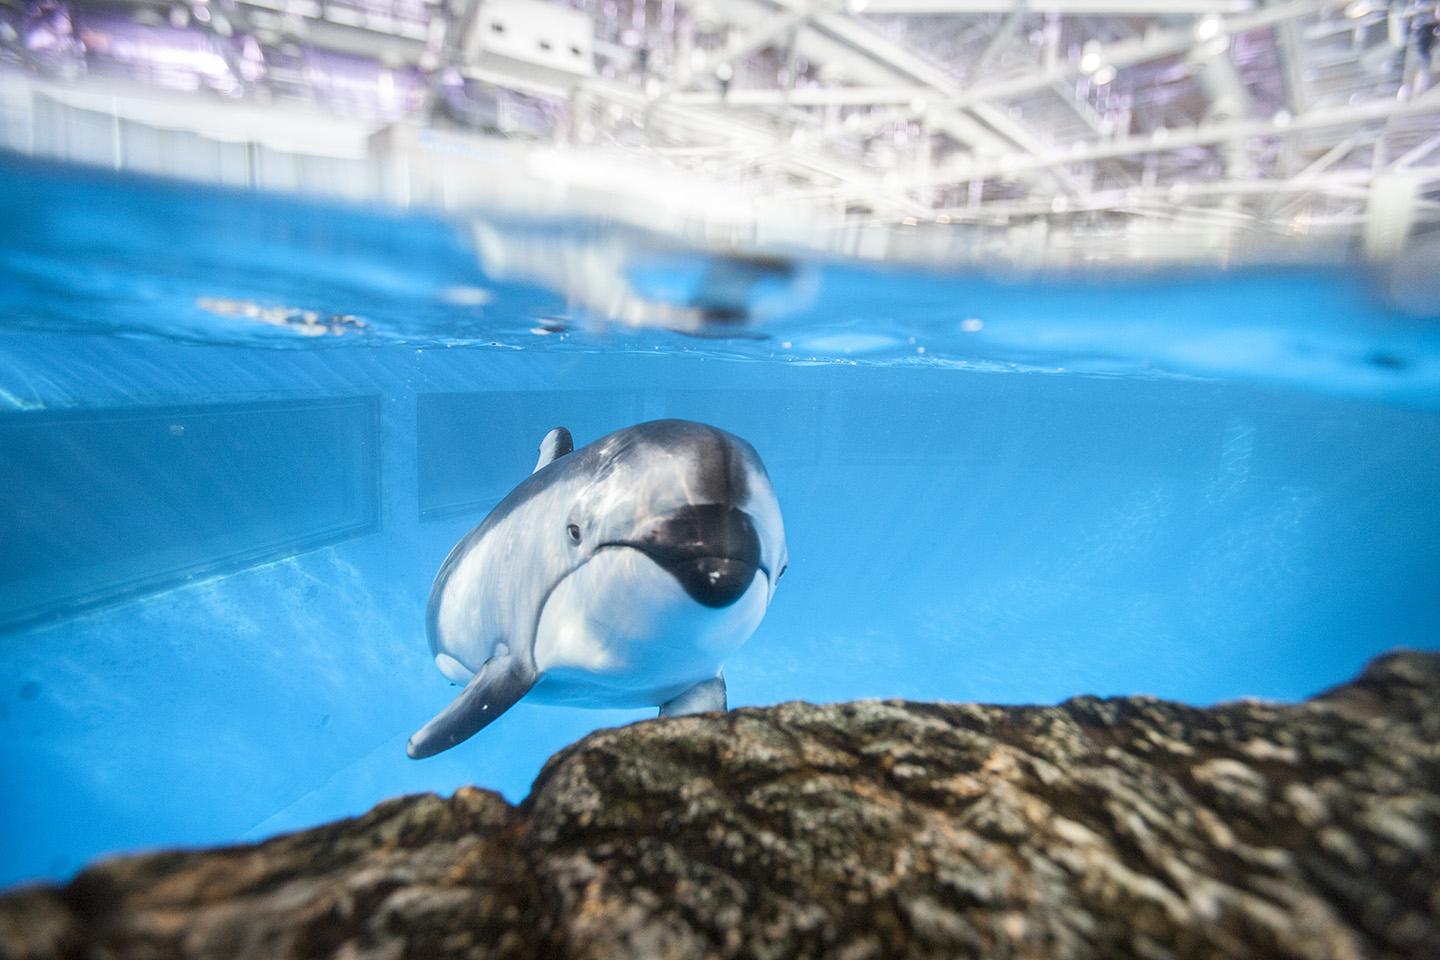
x=1128 y=827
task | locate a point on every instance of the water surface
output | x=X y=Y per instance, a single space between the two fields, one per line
x=239 y=434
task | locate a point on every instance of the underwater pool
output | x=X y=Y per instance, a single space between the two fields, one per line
x=238 y=436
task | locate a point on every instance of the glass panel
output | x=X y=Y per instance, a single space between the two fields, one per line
x=475 y=447
x=100 y=505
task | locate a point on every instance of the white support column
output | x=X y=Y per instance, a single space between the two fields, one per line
x=1390 y=214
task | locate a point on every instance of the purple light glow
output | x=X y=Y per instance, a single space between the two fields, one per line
x=361 y=86
x=178 y=58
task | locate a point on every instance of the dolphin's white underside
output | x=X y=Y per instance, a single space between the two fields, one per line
x=621 y=632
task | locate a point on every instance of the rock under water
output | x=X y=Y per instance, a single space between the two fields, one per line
x=1128 y=827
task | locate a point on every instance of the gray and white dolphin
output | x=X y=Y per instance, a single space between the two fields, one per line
x=618 y=575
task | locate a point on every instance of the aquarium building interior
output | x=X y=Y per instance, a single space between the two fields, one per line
x=1091 y=346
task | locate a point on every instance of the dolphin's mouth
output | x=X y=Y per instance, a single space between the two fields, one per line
x=711 y=549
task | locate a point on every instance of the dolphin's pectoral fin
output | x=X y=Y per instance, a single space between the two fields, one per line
x=704 y=697
x=493 y=690
x=556 y=444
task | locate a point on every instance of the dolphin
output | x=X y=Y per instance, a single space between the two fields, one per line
x=621 y=574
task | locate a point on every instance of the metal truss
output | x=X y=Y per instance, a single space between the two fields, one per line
x=1083 y=116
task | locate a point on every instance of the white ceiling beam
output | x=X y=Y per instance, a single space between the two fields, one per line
x=889 y=95
x=1291 y=50
x=1153 y=45
x=1001 y=38
x=869 y=42
x=1229 y=99
x=1118 y=8
x=1167 y=139
x=1327 y=160
x=904 y=63
x=1348 y=183
x=866 y=43
x=720 y=128
x=742 y=43
x=859 y=54
x=1282 y=205
x=1081 y=108
x=959 y=123
x=965 y=129
x=1419 y=152
x=756 y=15
x=1021 y=135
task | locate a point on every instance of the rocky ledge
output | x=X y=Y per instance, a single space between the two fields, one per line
x=1099 y=828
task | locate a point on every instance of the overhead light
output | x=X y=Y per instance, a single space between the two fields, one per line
x=1103 y=76
x=1092 y=59
x=1358 y=9
x=724 y=72
x=1207 y=27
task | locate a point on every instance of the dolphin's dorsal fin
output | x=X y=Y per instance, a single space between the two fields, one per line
x=556 y=444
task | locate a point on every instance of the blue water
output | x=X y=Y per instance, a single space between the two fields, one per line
x=218 y=530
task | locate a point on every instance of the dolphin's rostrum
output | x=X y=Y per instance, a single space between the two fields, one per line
x=618 y=575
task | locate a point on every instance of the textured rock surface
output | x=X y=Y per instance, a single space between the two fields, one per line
x=1099 y=828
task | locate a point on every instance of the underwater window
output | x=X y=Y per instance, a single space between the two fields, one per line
x=1078 y=426
x=473 y=448
x=105 y=504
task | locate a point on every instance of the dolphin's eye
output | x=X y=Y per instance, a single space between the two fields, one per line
x=574 y=533
x=779 y=576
